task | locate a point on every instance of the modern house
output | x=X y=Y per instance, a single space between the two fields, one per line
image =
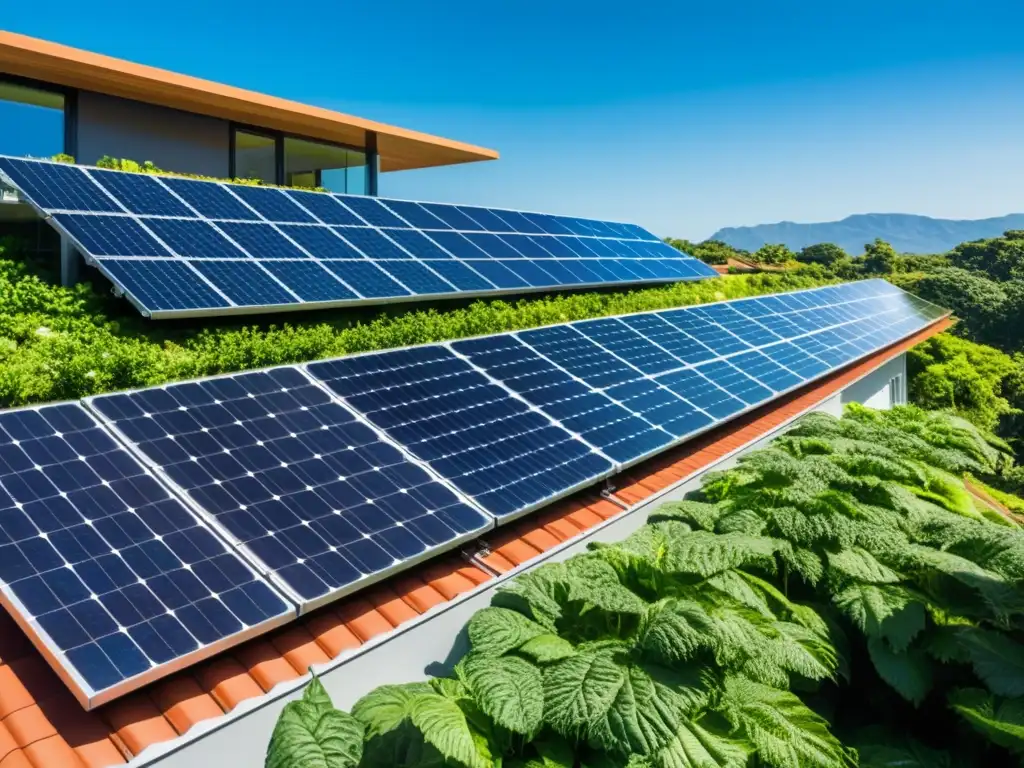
x=60 y=100
x=222 y=709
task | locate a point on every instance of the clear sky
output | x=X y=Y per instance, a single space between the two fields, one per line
x=681 y=116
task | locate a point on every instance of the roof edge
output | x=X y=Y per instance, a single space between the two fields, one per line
x=399 y=148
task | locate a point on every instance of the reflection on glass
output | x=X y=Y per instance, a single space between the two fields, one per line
x=255 y=157
x=31 y=121
x=313 y=164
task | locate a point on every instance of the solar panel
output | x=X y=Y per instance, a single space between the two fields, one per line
x=488 y=443
x=321 y=502
x=116 y=579
x=506 y=417
x=422 y=250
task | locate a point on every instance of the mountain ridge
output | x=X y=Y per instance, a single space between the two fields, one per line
x=906 y=232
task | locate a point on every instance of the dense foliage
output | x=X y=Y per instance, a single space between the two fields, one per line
x=762 y=624
x=58 y=343
x=709 y=251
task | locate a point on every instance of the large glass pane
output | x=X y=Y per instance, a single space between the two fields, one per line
x=314 y=164
x=31 y=121
x=255 y=157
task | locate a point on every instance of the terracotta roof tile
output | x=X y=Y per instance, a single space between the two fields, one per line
x=417 y=594
x=298 y=647
x=42 y=726
x=389 y=605
x=453 y=577
x=364 y=620
x=7 y=743
x=227 y=681
x=17 y=759
x=13 y=694
x=183 y=702
x=330 y=632
x=29 y=725
x=265 y=663
x=85 y=732
x=52 y=751
x=137 y=722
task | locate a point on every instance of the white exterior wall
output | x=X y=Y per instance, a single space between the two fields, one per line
x=430 y=645
x=172 y=140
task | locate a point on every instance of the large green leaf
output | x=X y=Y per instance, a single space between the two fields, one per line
x=443 y=724
x=509 y=690
x=385 y=708
x=1000 y=720
x=887 y=610
x=579 y=691
x=311 y=733
x=539 y=593
x=785 y=732
x=496 y=631
x=997 y=660
x=693 y=746
x=648 y=710
x=673 y=630
x=547 y=648
x=909 y=673
x=704 y=554
x=593 y=580
x=858 y=564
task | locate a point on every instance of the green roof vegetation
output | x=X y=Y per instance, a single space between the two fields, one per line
x=59 y=343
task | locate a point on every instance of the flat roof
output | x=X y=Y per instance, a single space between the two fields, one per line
x=400 y=149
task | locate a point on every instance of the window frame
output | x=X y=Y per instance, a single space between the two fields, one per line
x=370 y=150
x=70 y=110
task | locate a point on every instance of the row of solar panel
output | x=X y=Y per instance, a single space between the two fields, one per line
x=260 y=249
x=323 y=493
x=59 y=187
x=172 y=285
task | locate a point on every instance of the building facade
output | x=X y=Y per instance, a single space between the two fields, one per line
x=60 y=100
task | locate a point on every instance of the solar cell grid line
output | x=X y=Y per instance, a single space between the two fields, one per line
x=318 y=499
x=484 y=439
x=141 y=194
x=58 y=187
x=596 y=418
x=110 y=574
x=658 y=414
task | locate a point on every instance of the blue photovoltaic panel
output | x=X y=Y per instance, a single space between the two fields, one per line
x=211 y=200
x=110 y=235
x=367 y=278
x=244 y=282
x=142 y=194
x=272 y=205
x=192 y=238
x=57 y=187
x=316 y=495
x=326 y=208
x=166 y=216
x=165 y=284
x=110 y=572
x=470 y=431
x=625 y=387
x=617 y=431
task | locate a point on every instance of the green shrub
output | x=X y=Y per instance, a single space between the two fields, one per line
x=58 y=343
x=843 y=562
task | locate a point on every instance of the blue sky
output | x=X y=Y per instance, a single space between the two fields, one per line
x=681 y=116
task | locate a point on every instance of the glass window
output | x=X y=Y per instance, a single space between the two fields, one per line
x=255 y=157
x=31 y=121
x=313 y=164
